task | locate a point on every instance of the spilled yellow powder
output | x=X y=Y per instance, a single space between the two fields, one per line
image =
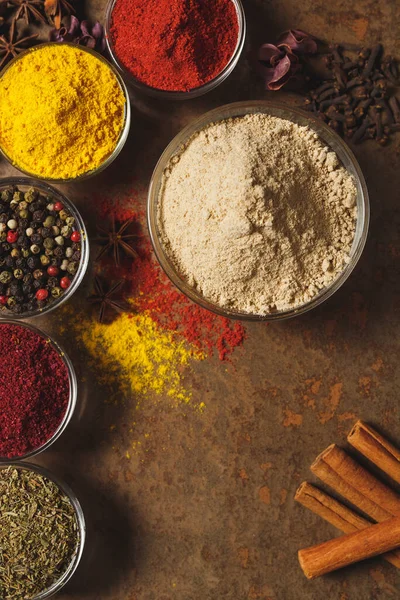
x=134 y=353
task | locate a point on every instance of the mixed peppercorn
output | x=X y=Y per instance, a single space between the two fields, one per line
x=40 y=249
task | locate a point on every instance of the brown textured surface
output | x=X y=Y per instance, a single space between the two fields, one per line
x=205 y=510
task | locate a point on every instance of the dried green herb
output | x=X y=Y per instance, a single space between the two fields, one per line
x=38 y=533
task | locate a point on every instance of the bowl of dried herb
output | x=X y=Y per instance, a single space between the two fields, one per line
x=48 y=532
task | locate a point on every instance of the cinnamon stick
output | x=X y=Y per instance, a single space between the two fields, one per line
x=348 y=549
x=342 y=473
x=336 y=513
x=376 y=448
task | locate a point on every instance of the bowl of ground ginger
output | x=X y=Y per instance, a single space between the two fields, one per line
x=258 y=211
x=64 y=112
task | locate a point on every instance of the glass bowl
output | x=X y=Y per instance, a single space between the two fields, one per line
x=282 y=111
x=169 y=95
x=124 y=130
x=56 y=587
x=73 y=392
x=24 y=183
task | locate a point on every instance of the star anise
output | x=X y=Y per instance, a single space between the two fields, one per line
x=28 y=10
x=104 y=297
x=116 y=239
x=10 y=46
x=56 y=9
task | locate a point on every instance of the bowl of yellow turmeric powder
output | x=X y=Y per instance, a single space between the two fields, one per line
x=64 y=112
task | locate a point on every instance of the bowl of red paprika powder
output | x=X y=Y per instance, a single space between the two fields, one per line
x=175 y=50
x=39 y=391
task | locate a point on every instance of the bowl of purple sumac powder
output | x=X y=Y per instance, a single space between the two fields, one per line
x=258 y=211
x=44 y=250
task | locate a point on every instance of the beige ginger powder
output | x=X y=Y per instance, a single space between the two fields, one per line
x=257 y=214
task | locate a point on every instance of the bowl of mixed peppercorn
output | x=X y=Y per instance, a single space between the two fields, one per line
x=44 y=250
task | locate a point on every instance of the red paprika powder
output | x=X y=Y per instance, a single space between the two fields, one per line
x=34 y=390
x=174 y=45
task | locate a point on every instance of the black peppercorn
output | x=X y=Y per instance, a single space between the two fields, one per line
x=16 y=308
x=20 y=263
x=26 y=288
x=14 y=287
x=33 y=206
x=4 y=218
x=58 y=252
x=10 y=262
x=28 y=278
x=23 y=241
x=52 y=282
x=33 y=262
x=36 y=238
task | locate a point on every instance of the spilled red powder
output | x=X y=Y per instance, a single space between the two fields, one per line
x=153 y=292
x=172 y=310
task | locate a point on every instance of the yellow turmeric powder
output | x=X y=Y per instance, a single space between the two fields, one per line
x=132 y=355
x=62 y=111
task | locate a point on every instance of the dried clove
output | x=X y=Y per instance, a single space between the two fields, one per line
x=387 y=115
x=338 y=100
x=359 y=133
x=375 y=52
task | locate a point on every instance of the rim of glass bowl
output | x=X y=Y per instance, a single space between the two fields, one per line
x=195 y=92
x=80 y=518
x=283 y=111
x=124 y=130
x=76 y=281
x=73 y=392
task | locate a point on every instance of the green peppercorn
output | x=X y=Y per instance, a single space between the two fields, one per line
x=56 y=292
x=44 y=260
x=70 y=221
x=24 y=214
x=30 y=195
x=48 y=252
x=11 y=301
x=15 y=253
x=63 y=214
x=23 y=205
x=6 y=195
x=72 y=267
x=49 y=243
x=25 y=252
x=18 y=196
x=66 y=231
x=5 y=277
x=35 y=249
x=3 y=236
x=18 y=273
x=49 y=221
x=59 y=240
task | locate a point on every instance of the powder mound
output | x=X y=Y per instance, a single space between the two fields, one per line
x=257 y=214
x=34 y=390
x=62 y=111
x=174 y=45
